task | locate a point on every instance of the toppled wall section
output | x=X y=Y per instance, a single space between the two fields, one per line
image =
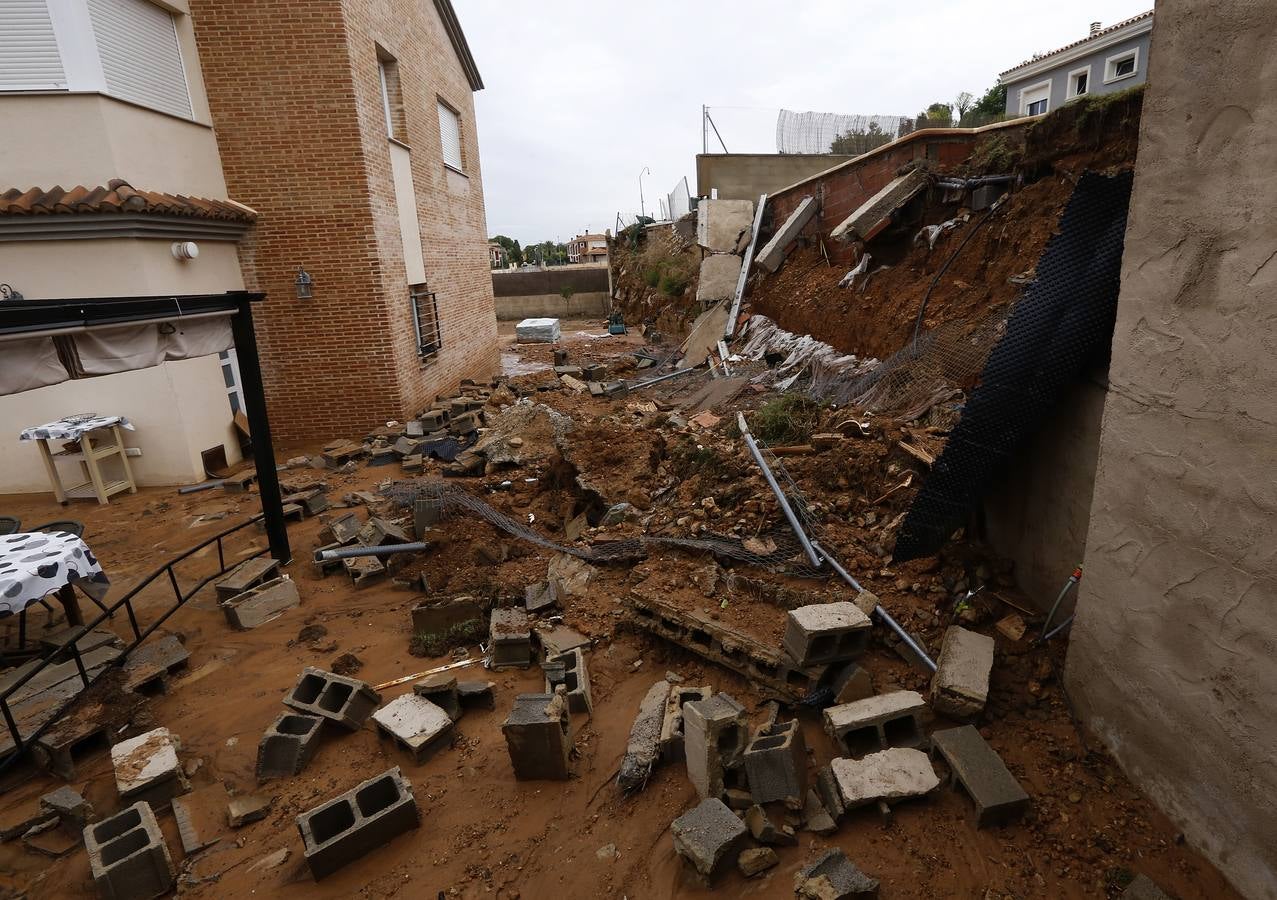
x=1172 y=655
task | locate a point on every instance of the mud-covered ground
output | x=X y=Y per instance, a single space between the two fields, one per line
x=484 y=834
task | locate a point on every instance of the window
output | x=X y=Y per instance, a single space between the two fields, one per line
x=141 y=60
x=1078 y=81
x=29 y=59
x=450 y=137
x=391 y=97
x=425 y=320
x=1123 y=65
x=1035 y=99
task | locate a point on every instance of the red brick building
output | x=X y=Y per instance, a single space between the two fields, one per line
x=349 y=126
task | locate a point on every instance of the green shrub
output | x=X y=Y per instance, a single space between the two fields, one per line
x=673 y=283
x=787 y=419
x=567 y=291
x=652 y=277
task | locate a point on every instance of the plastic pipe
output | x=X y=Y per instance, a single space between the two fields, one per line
x=1073 y=579
x=780 y=495
x=386 y=550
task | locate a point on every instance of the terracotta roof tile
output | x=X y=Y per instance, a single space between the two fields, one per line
x=1090 y=37
x=118 y=196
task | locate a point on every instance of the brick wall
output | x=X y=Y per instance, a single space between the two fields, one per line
x=296 y=101
x=841 y=191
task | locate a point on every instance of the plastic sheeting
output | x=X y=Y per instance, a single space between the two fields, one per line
x=802 y=353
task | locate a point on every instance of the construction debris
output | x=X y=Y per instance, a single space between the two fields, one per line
x=834 y=877
x=643 y=749
x=538 y=737
x=960 y=687
x=709 y=837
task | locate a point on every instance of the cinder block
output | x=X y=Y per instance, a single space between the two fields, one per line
x=672 y=723
x=288 y=744
x=433 y=616
x=825 y=633
x=378 y=532
x=345 y=701
x=510 y=639
x=776 y=764
x=261 y=604
x=69 y=806
x=709 y=837
x=960 y=685
x=147 y=768
x=127 y=855
x=875 y=723
x=415 y=724
x=247 y=574
x=894 y=774
x=538 y=736
x=834 y=877
x=363 y=569
x=977 y=769
x=576 y=680
x=441 y=690
x=357 y=822
x=540 y=597
x=715 y=733
x=342 y=530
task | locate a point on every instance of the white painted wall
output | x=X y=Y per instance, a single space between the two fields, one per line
x=178 y=408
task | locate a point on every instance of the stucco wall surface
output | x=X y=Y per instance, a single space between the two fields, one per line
x=1173 y=657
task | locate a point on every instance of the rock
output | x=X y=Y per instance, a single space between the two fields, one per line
x=760 y=859
x=618 y=513
x=607 y=851
x=247 y=808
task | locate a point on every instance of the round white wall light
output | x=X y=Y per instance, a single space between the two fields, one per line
x=185 y=250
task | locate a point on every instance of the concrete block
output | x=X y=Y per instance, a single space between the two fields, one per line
x=538 y=736
x=850 y=682
x=875 y=213
x=247 y=574
x=426 y=513
x=261 y=604
x=866 y=602
x=875 y=723
x=773 y=252
x=433 y=616
x=825 y=633
x=709 y=837
x=147 y=768
x=537 y=331
x=541 y=597
x=346 y=701
x=464 y=424
x=342 y=530
x=595 y=372
x=827 y=791
x=510 y=639
x=245 y=808
x=977 y=769
x=441 y=690
x=833 y=876
x=415 y=724
x=643 y=748
x=895 y=774
x=288 y=744
x=433 y=419
x=672 y=723
x=776 y=764
x=718 y=277
x=363 y=569
x=720 y=223
x=70 y=808
x=960 y=686
x=128 y=857
x=476 y=694
x=312 y=502
x=816 y=816
x=756 y=860
x=356 y=822
x=715 y=733
x=378 y=532
x=576 y=680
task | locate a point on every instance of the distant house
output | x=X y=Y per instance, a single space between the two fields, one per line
x=1107 y=60
x=497 y=257
x=587 y=248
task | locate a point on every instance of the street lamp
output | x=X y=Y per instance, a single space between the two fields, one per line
x=642 y=207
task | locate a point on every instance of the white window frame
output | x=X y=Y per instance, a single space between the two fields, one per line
x=1111 y=63
x=1071 y=90
x=1031 y=89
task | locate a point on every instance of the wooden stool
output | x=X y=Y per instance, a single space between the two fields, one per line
x=89 y=456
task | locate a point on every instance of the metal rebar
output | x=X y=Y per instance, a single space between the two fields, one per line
x=386 y=550
x=780 y=495
x=882 y=614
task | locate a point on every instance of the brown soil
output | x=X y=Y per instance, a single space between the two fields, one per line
x=656 y=283
x=486 y=835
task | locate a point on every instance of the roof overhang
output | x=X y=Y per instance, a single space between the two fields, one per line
x=1124 y=32
x=26 y=317
x=458 y=37
x=73 y=226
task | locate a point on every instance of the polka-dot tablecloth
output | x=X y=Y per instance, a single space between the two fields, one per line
x=34 y=565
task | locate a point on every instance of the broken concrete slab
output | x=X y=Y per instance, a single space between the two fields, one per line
x=825 y=633
x=510 y=639
x=832 y=876
x=441 y=690
x=354 y=823
x=245 y=808
x=776 y=764
x=774 y=251
x=850 y=682
x=720 y=223
x=347 y=702
x=876 y=723
x=541 y=597
x=816 y=817
x=556 y=639
x=128 y=856
x=147 y=768
x=247 y=574
x=702 y=340
x=69 y=806
x=537 y=331
x=201 y=817
x=827 y=792
x=672 y=723
x=288 y=744
x=715 y=734
x=261 y=604
x=977 y=769
x=415 y=724
x=717 y=280
x=538 y=737
x=709 y=837
x=960 y=686
x=894 y=774
x=643 y=748
x=756 y=860
x=51 y=839
x=573 y=574
x=875 y=213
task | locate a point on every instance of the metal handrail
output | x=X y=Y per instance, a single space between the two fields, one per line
x=71 y=648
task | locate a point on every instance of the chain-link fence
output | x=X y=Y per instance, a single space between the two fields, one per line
x=817 y=132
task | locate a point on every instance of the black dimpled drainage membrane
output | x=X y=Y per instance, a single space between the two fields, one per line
x=1063 y=322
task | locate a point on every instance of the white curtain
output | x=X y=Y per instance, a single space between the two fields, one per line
x=200 y=337
x=105 y=351
x=29 y=363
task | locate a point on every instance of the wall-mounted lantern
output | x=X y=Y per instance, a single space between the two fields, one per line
x=8 y=293
x=304 y=284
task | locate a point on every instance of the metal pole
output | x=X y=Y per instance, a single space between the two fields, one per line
x=642 y=205
x=386 y=550
x=250 y=371
x=780 y=495
x=665 y=377
x=704 y=129
x=882 y=614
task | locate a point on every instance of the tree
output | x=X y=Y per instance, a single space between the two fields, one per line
x=991 y=105
x=962 y=103
x=513 y=252
x=858 y=141
x=939 y=115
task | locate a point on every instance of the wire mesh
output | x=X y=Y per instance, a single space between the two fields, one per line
x=817 y=132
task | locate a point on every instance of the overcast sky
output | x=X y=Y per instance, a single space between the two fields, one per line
x=580 y=97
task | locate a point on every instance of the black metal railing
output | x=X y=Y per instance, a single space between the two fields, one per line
x=71 y=647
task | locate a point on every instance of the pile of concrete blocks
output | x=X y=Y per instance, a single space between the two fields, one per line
x=538 y=734
x=353 y=824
